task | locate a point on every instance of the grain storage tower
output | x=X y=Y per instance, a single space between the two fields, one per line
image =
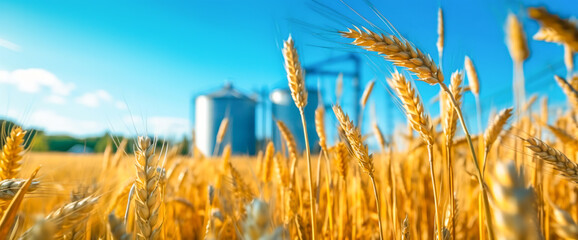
x=210 y=110
x=284 y=109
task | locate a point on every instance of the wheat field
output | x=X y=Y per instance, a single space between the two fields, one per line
x=516 y=179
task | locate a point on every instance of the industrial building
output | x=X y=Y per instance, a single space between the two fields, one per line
x=210 y=109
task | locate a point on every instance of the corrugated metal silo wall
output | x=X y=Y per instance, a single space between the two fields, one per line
x=289 y=114
x=209 y=112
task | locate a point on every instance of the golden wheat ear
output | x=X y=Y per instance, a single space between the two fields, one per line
x=12 y=153
x=564 y=30
x=554 y=158
x=147 y=194
x=413 y=106
x=295 y=74
x=399 y=51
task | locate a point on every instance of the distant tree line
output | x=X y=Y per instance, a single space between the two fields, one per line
x=38 y=141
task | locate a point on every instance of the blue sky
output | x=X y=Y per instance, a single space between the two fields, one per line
x=84 y=67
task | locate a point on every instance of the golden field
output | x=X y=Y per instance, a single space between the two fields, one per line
x=515 y=180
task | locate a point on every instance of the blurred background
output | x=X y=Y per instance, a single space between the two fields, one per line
x=83 y=73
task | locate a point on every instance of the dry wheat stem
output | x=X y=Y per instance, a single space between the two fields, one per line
x=435 y=192
x=474 y=84
x=420 y=122
x=296 y=80
x=311 y=188
x=449 y=116
x=320 y=129
x=479 y=176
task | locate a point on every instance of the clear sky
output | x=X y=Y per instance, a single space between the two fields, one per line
x=82 y=67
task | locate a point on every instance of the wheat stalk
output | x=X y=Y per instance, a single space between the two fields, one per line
x=493 y=131
x=413 y=107
x=240 y=187
x=449 y=116
x=569 y=91
x=516 y=39
x=320 y=127
x=12 y=153
x=474 y=85
x=341 y=156
x=299 y=94
x=223 y=127
x=268 y=162
x=554 y=158
x=354 y=139
x=66 y=217
x=9 y=187
x=378 y=135
x=472 y=75
x=405 y=235
x=295 y=74
x=281 y=171
x=566 y=31
x=399 y=51
x=366 y=93
x=147 y=199
x=291 y=145
x=365 y=160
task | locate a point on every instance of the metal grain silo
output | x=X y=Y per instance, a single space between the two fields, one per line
x=284 y=109
x=212 y=108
